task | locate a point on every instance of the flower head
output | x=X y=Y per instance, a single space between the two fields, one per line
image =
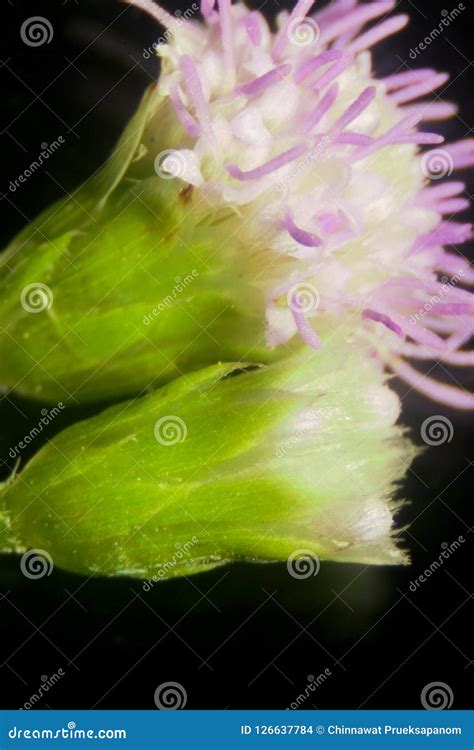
x=322 y=162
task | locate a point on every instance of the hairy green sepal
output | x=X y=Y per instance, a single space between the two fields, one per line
x=220 y=465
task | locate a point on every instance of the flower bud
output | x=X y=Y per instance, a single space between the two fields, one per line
x=228 y=463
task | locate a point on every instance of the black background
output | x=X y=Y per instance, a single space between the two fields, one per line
x=241 y=636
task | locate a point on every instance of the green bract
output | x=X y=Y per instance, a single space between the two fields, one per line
x=125 y=286
x=294 y=458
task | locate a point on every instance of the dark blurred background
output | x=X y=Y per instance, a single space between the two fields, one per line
x=242 y=636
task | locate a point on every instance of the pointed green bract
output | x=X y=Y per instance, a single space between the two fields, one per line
x=220 y=465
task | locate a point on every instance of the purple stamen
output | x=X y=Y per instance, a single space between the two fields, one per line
x=445 y=394
x=329 y=222
x=459 y=359
x=252 y=27
x=333 y=11
x=207 y=7
x=454 y=265
x=156 y=11
x=187 y=120
x=354 y=110
x=420 y=138
x=462 y=153
x=195 y=90
x=265 y=81
x=453 y=206
x=419 y=89
x=309 y=66
x=446 y=233
x=431 y=195
x=225 y=18
x=300 y=235
x=357 y=17
x=408 y=77
x=300 y=10
x=324 y=105
x=353 y=139
x=270 y=166
x=452 y=308
x=433 y=111
x=379 y=317
x=334 y=71
x=305 y=330
x=379 y=32
x=401 y=128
